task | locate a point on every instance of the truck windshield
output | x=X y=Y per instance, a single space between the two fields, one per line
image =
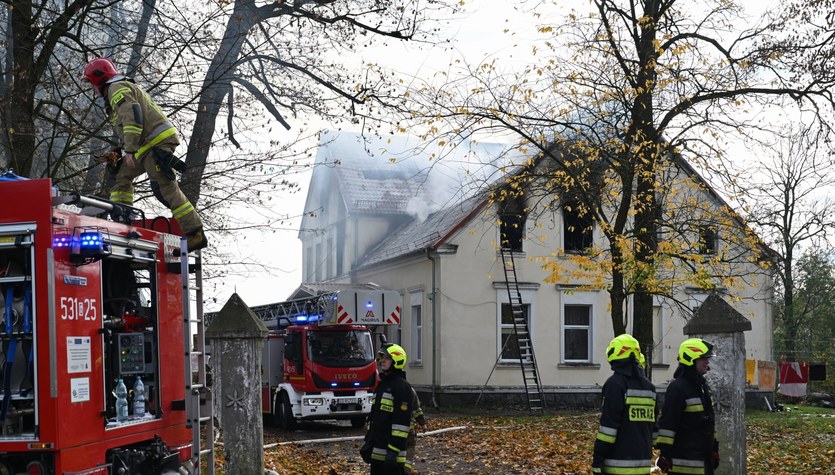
x=340 y=348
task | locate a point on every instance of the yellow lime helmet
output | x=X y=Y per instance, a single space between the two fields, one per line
x=693 y=349
x=642 y=360
x=396 y=352
x=622 y=347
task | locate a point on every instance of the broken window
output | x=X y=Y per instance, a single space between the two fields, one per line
x=577 y=228
x=512 y=231
x=708 y=240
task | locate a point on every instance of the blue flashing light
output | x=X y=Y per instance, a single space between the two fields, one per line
x=61 y=241
x=370 y=304
x=301 y=318
x=87 y=245
x=333 y=385
x=356 y=384
x=91 y=240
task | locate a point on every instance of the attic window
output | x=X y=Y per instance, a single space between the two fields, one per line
x=577 y=228
x=708 y=240
x=512 y=231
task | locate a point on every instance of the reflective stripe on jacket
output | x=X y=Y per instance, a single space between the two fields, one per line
x=390 y=416
x=137 y=119
x=627 y=421
x=687 y=427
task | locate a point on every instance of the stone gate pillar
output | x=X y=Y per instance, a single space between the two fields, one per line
x=717 y=322
x=237 y=336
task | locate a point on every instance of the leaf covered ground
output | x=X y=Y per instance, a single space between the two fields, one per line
x=555 y=443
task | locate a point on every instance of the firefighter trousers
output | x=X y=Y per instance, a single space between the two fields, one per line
x=173 y=197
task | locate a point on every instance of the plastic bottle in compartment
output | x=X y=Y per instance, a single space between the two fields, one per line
x=139 y=398
x=121 y=394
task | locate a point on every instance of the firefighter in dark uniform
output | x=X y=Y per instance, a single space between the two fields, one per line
x=391 y=414
x=149 y=141
x=687 y=427
x=627 y=419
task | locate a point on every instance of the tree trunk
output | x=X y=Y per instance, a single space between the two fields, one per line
x=646 y=249
x=790 y=325
x=21 y=127
x=215 y=87
x=5 y=90
x=616 y=293
x=645 y=140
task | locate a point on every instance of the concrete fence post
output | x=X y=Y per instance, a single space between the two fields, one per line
x=717 y=322
x=237 y=336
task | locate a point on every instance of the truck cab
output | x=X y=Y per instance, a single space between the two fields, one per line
x=318 y=362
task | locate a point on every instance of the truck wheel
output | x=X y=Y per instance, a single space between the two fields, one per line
x=357 y=422
x=285 y=413
x=275 y=414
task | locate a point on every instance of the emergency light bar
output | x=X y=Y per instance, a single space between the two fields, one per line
x=308 y=318
x=88 y=245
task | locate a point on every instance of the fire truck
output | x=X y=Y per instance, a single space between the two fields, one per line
x=319 y=358
x=95 y=296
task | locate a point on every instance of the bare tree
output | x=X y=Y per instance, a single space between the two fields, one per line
x=790 y=205
x=35 y=32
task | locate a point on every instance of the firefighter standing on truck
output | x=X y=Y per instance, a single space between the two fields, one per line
x=687 y=426
x=391 y=413
x=148 y=140
x=627 y=420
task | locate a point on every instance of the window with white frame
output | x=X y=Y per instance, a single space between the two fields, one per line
x=658 y=322
x=329 y=268
x=660 y=327
x=308 y=264
x=576 y=319
x=508 y=346
x=317 y=271
x=509 y=340
x=416 y=323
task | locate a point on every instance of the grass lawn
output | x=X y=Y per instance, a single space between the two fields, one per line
x=800 y=440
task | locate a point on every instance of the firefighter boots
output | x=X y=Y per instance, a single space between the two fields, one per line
x=196 y=240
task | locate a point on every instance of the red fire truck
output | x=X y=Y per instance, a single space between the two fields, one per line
x=89 y=302
x=318 y=361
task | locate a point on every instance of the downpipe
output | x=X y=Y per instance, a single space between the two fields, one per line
x=434 y=400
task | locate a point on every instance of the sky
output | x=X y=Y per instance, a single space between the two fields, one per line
x=477 y=35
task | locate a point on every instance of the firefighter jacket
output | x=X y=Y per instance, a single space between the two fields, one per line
x=390 y=416
x=687 y=427
x=627 y=422
x=139 y=122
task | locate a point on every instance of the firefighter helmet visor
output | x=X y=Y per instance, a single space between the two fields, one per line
x=693 y=349
x=396 y=353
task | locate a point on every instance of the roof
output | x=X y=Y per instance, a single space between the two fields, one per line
x=375 y=175
x=402 y=176
x=430 y=233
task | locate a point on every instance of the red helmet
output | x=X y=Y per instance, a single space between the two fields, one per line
x=99 y=71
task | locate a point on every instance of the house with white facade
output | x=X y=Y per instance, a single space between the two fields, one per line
x=373 y=215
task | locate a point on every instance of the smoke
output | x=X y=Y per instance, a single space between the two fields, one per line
x=437 y=191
